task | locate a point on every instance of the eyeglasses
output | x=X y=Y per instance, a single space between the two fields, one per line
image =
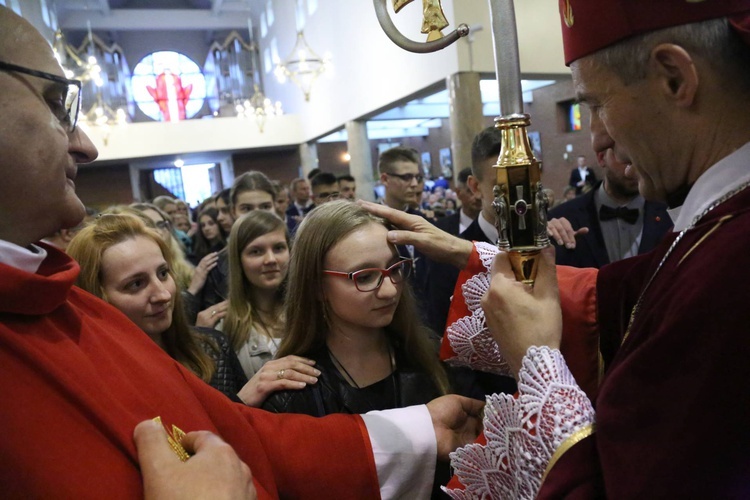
x=325 y=196
x=367 y=280
x=408 y=177
x=68 y=114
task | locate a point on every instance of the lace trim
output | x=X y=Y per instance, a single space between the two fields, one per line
x=469 y=336
x=486 y=253
x=523 y=433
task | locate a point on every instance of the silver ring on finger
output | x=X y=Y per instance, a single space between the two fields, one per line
x=280 y=374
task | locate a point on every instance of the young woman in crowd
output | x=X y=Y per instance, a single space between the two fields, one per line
x=190 y=279
x=127 y=264
x=258 y=255
x=210 y=236
x=250 y=191
x=349 y=307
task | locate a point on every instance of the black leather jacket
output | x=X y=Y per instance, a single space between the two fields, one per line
x=229 y=377
x=332 y=394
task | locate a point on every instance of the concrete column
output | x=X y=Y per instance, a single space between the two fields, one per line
x=135 y=180
x=226 y=166
x=465 y=116
x=360 y=165
x=308 y=153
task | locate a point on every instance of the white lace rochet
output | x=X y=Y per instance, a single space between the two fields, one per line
x=522 y=433
x=469 y=337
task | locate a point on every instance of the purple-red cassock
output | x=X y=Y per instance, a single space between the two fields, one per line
x=77 y=376
x=671 y=413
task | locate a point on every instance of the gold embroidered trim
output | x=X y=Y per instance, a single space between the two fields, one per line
x=566 y=445
x=718 y=224
x=174 y=439
x=568 y=14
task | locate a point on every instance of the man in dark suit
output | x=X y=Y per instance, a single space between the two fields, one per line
x=401 y=174
x=471 y=205
x=303 y=203
x=620 y=222
x=441 y=278
x=582 y=177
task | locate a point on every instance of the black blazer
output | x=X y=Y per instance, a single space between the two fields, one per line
x=293 y=212
x=450 y=224
x=575 y=178
x=441 y=279
x=417 y=280
x=590 y=249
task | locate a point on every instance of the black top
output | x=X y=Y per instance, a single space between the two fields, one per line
x=406 y=386
x=229 y=376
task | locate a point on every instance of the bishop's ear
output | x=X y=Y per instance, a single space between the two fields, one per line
x=674 y=69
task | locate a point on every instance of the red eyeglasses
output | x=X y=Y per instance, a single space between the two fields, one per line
x=367 y=280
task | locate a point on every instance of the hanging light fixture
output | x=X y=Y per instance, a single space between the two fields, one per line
x=260 y=107
x=303 y=65
x=234 y=67
x=84 y=65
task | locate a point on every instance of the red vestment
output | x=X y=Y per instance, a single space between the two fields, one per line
x=670 y=412
x=77 y=376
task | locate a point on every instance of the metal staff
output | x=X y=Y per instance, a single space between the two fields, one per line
x=520 y=203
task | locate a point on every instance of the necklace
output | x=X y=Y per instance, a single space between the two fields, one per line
x=269 y=333
x=679 y=237
x=351 y=382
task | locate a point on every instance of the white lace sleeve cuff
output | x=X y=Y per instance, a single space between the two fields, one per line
x=469 y=336
x=524 y=433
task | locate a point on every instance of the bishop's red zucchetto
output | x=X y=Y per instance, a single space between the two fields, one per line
x=591 y=25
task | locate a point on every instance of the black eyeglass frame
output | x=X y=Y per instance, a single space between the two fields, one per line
x=72 y=120
x=335 y=195
x=383 y=274
x=408 y=177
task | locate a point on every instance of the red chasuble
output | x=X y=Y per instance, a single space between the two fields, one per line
x=672 y=413
x=77 y=376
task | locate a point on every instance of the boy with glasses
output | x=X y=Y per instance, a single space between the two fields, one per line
x=401 y=175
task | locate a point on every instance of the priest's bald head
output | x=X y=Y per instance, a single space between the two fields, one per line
x=667 y=83
x=39 y=145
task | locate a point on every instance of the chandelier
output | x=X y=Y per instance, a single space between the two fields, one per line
x=235 y=72
x=303 y=65
x=259 y=107
x=103 y=72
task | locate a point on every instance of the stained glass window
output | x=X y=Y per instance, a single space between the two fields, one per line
x=168 y=86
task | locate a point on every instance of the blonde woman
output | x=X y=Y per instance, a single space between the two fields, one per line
x=129 y=265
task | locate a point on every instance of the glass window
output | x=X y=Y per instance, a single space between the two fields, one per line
x=267 y=63
x=269 y=13
x=168 y=86
x=171 y=180
x=312 y=6
x=45 y=13
x=16 y=6
x=570 y=116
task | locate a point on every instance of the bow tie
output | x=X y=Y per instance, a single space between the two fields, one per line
x=629 y=215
